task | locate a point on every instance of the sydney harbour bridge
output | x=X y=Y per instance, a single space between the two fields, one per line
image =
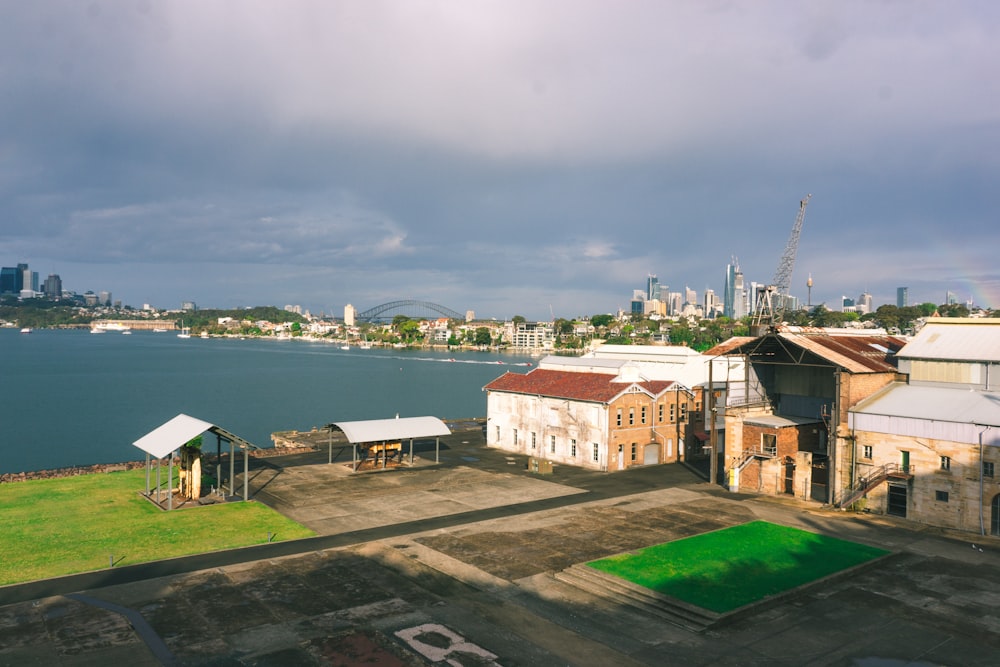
x=416 y=309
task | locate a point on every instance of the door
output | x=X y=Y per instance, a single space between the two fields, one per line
x=651 y=454
x=789 y=466
x=621 y=457
x=904 y=461
x=897 y=500
x=995 y=515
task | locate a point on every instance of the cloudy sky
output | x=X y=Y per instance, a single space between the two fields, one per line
x=511 y=157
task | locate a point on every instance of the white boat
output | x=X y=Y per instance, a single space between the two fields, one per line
x=345 y=346
x=26 y=330
x=127 y=332
x=185 y=331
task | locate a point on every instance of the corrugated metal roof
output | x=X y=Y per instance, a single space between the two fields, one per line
x=377 y=430
x=595 y=387
x=934 y=403
x=170 y=436
x=959 y=340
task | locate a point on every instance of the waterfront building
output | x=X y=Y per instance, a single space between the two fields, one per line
x=530 y=335
x=350 y=315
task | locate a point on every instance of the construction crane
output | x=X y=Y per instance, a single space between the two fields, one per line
x=769 y=304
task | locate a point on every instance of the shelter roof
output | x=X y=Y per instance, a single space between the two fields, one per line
x=595 y=387
x=376 y=430
x=946 y=404
x=180 y=430
x=779 y=421
x=956 y=339
x=854 y=352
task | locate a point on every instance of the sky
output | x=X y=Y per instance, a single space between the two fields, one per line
x=531 y=157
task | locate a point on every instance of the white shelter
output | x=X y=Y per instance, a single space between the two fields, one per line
x=377 y=435
x=167 y=438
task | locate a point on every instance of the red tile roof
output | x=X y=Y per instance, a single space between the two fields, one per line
x=596 y=387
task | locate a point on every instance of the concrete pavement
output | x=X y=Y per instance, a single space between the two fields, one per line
x=454 y=563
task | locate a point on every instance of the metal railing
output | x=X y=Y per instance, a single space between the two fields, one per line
x=869 y=481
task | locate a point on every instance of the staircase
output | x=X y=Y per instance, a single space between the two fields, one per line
x=868 y=482
x=610 y=587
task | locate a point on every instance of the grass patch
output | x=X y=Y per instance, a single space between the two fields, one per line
x=727 y=569
x=54 y=527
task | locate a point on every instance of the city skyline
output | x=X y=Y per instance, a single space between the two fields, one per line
x=514 y=157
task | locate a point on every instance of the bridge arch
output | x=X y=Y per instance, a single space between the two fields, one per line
x=408 y=307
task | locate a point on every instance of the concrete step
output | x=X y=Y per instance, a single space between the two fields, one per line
x=638 y=597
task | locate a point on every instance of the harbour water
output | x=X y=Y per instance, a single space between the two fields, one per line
x=71 y=398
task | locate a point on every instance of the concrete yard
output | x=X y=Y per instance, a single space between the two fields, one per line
x=456 y=562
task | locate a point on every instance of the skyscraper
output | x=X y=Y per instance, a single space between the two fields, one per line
x=652 y=288
x=53 y=286
x=902 y=297
x=734 y=304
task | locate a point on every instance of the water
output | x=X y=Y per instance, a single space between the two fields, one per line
x=74 y=398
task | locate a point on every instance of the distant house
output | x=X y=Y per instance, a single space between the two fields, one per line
x=786 y=419
x=600 y=420
x=927 y=448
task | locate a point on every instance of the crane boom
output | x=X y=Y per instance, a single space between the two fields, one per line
x=783 y=275
x=770 y=300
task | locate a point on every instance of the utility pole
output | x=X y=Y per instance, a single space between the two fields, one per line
x=713 y=440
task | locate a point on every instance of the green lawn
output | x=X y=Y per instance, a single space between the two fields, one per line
x=55 y=527
x=727 y=569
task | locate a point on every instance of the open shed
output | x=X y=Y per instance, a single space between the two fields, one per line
x=166 y=439
x=381 y=439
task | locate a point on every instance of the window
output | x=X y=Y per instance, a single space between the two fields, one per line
x=941 y=496
x=660 y=408
x=635 y=451
x=498 y=434
x=597 y=452
x=515 y=437
x=532 y=439
x=552 y=444
x=697 y=406
x=987 y=468
x=945 y=463
x=643 y=415
x=619 y=416
x=631 y=416
x=673 y=412
x=769 y=444
x=572 y=447
x=684 y=411
x=866 y=452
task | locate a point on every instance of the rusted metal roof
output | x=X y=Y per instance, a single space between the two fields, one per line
x=594 y=387
x=727 y=346
x=853 y=352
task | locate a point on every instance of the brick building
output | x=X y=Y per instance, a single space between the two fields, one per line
x=604 y=421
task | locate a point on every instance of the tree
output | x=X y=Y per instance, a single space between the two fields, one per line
x=483 y=336
x=518 y=319
x=602 y=320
